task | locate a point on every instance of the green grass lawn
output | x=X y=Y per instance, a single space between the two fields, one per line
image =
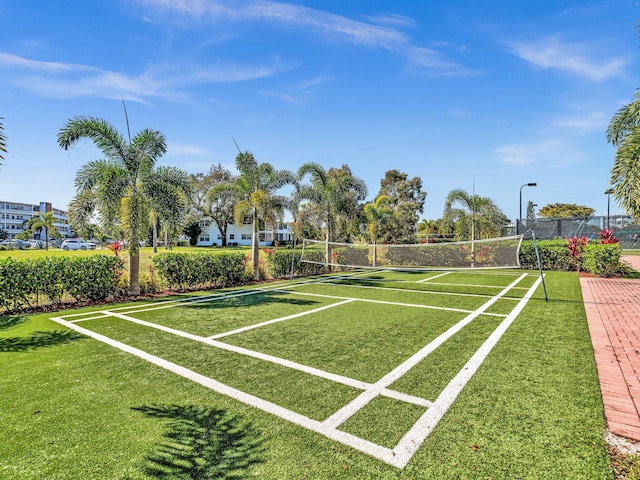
x=73 y=407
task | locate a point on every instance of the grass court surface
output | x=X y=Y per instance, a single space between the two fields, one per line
x=362 y=374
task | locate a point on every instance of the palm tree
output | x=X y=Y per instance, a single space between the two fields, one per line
x=624 y=133
x=125 y=184
x=376 y=212
x=3 y=141
x=333 y=194
x=485 y=217
x=254 y=194
x=45 y=221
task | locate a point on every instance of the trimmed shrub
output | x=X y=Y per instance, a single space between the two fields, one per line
x=200 y=270
x=279 y=263
x=554 y=255
x=601 y=259
x=44 y=281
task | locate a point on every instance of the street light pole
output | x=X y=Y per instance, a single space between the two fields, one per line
x=520 y=217
x=608 y=193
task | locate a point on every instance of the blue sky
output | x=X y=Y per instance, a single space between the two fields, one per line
x=464 y=94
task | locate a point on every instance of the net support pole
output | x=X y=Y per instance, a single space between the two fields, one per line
x=535 y=246
x=293 y=256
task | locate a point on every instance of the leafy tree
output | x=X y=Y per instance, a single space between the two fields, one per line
x=407 y=202
x=473 y=216
x=254 y=195
x=3 y=141
x=531 y=211
x=210 y=204
x=192 y=228
x=377 y=212
x=44 y=221
x=335 y=194
x=566 y=210
x=3 y=234
x=126 y=183
x=624 y=133
x=428 y=227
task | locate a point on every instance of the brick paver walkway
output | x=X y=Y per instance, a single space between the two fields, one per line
x=613 y=313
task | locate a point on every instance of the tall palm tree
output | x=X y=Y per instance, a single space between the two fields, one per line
x=254 y=193
x=3 y=141
x=333 y=195
x=624 y=133
x=376 y=212
x=125 y=183
x=46 y=222
x=486 y=218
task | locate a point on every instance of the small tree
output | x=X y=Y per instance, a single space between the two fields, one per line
x=46 y=222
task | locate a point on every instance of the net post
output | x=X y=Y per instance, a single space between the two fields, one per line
x=535 y=246
x=293 y=256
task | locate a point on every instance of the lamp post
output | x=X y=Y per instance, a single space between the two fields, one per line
x=520 y=217
x=608 y=193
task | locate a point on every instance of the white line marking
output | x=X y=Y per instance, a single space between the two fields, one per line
x=364 y=398
x=395 y=289
x=281 y=319
x=435 y=276
x=416 y=435
x=370 y=448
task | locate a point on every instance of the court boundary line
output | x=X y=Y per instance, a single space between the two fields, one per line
x=404 y=450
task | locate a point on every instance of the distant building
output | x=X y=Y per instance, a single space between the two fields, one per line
x=242 y=234
x=14 y=217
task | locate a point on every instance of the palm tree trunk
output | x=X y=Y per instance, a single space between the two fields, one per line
x=255 y=253
x=155 y=236
x=134 y=270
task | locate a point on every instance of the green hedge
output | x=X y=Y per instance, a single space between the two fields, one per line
x=32 y=283
x=200 y=270
x=598 y=259
x=279 y=263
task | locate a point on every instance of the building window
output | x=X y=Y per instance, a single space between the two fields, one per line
x=232 y=236
x=219 y=236
x=204 y=238
x=246 y=236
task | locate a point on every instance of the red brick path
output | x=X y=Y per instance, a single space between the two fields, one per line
x=613 y=313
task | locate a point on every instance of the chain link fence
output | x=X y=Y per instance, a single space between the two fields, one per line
x=625 y=230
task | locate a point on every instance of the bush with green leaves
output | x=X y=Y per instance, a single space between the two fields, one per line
x=279 y=263
x=601 y=259
x=185 y=271
x=32 y=283
x=554 y=255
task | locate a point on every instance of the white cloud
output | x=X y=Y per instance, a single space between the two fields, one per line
x=184 y=149
x=584 y=124
x=576 y=58
x=545 y=153
x=60 y=80
x=380 y=32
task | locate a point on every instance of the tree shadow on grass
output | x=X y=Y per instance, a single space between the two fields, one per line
x=38 y=340
x=9 y=321
x=202 y=443
x=251 y=300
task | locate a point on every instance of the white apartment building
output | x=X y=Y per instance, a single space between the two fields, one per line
x=242 y=234
x=14 y=217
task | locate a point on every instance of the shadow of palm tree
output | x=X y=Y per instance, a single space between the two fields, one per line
x=38 y=340
x=8 y=321
x=249 y=300
x=202 y=443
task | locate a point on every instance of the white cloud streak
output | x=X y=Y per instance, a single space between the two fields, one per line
x=575 y=58
x=60 y=80
x=381 y=32
x=545 y=153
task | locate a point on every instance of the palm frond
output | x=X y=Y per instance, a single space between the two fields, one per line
x=103 y=135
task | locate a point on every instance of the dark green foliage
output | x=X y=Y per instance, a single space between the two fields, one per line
x=598 y=259
x=601 y=259
x=200 y=270
x=44 y=281
x=279 y=263
x=554 y=255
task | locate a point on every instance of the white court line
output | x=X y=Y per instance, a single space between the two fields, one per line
x=359 y=402
x=429 y=292
x=281 y=319
x=398 y=304
x=365 y=446
x=435 y=276
x=409 y=444
x=351 y=382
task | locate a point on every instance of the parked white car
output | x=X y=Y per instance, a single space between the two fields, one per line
x=77 y=244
